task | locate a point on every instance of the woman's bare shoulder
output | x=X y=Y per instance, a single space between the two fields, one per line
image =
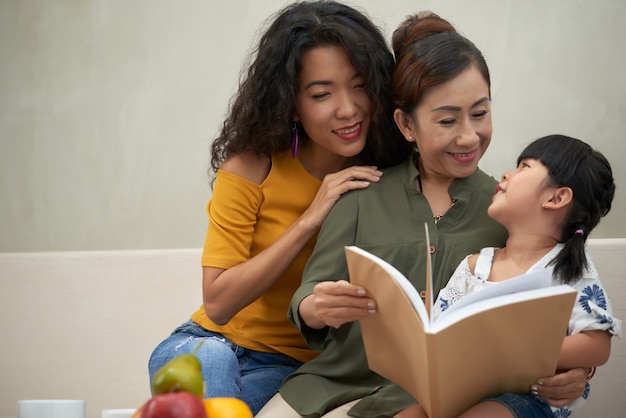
x=249 y=166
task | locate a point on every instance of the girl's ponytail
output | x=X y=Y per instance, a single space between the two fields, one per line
x=573 y=163
x=571 y=262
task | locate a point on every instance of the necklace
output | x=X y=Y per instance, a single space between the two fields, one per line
x=437 y=218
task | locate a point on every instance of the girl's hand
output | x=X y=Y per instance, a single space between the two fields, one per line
x=334 y=304
x=333 y=186
x=562 y=388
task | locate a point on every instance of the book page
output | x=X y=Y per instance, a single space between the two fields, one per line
x=535 y=280
x=492 y=303
x=404 y=283
x=394 y=338
x=429 y=299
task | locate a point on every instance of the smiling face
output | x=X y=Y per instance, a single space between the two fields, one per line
x=522 y=193
x=451 y=126
x=332 y=103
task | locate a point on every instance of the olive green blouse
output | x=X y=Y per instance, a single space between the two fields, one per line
x=386 y=219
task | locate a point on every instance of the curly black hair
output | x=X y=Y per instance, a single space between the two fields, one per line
x=260 y=118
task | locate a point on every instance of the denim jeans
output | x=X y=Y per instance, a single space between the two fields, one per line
x=228 y=369
x=524 y=405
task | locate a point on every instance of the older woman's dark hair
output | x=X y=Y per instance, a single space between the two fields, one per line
x=429 y=51
x=261 y=116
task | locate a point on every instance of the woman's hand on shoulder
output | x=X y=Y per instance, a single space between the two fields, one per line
x=248 y=165
x=333 y=186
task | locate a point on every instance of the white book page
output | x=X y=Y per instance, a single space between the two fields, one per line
x=430 y=298
x=444 y=321
x=536 y=280
x=403 y=282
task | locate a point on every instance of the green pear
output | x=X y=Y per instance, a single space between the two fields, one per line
x=183 y=373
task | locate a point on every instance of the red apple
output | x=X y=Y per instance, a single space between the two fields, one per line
x=173 y=405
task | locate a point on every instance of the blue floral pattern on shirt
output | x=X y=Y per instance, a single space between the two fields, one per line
x=562 y=413
x=595 y=294
x=444 y=304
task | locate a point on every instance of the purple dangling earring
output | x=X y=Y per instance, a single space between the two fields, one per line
x=294 y=140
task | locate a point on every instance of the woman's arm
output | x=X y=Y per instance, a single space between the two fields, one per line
x=227 y=291
x=324 y=290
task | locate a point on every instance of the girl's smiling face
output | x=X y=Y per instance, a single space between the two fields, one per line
x=522 y=192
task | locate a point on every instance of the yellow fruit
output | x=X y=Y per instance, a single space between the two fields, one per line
x=137 y=413
x=226 y=408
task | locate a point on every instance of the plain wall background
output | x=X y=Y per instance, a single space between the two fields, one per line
x=107 y=108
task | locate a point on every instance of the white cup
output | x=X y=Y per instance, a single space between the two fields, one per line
x=50 y=408
x=118 y=413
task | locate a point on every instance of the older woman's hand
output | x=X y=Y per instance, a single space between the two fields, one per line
x=334 y=304
x=562 y=388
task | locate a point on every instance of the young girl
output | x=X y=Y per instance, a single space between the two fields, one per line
x=549 y=205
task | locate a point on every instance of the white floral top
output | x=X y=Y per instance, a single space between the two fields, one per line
x=591 y=312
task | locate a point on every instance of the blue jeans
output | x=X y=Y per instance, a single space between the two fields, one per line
x=228 y=369
x=524 y=405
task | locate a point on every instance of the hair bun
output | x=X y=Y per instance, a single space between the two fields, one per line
x=416 y=27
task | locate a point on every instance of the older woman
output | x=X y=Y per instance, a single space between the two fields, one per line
x=442 y=95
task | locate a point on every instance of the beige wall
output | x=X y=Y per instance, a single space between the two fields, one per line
x=107 y=108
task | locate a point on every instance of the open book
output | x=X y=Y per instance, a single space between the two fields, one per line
x=501 y=340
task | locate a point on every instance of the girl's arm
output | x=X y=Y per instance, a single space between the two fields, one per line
x=585 y=349
x=579 y=352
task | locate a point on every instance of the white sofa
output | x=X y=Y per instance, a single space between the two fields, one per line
x=81 y=325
